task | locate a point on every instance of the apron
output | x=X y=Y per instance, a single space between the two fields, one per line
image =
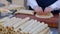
x=46 y=3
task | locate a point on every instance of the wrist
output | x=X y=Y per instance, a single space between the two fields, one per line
x=51 y=8
x=35 y=7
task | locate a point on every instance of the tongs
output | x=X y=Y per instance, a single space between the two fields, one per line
x=12 y=14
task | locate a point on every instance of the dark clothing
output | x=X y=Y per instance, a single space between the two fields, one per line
x=46 y=3
x=9 y=1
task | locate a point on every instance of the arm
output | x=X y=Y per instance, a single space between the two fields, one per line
x=35 y=6
x=32 y=3
x=55 y=5
x=52 y=7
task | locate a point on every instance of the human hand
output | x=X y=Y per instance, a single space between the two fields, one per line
x=38 y=10
x=47 y=10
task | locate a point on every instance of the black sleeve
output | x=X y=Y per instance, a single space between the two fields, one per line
x=9 y=1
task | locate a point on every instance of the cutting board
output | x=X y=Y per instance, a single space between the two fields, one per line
x=52 y=22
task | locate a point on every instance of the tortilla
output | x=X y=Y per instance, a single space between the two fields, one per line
x=50 y=15
x=26 y=12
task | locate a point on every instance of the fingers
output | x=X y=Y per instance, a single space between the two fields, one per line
x=38 y=10
x=40 y=13
x=47 y=10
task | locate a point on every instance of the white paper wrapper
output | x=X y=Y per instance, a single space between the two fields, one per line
x=27 y=25
x=4 y=12
x=26 y=12
x=18 y=2
x=14 y=6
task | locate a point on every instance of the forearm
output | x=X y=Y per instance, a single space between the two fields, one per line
x=32 y=3
x=55 y=5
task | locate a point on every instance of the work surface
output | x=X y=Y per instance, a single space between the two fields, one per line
x=52 y=22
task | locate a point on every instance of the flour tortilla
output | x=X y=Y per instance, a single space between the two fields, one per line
x=44 y=16
x=14 y=6
x=18 y=2
x=26 y=12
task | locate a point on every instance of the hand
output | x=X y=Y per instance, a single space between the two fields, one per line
x=47 y=10
x=38 y=10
